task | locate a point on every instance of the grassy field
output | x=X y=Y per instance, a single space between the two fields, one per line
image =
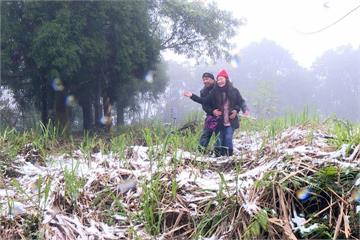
x=291 y=177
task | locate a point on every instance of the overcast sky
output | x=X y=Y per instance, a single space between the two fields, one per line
x=287 y=21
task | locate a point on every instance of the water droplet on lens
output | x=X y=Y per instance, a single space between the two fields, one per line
x=57 y=85
x=70 y=101
x=235 y=61
x=355 y=195
x=105 y=120
x=303 y=193
x=149 y=77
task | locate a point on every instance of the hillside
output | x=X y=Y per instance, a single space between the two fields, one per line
x=289 y=181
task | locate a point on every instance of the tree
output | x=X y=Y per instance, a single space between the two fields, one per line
x=268 y=63
x=264 y=99
x=192 y=28
x=38 y=48
x=78 y=48
x=100 y=52
x=336 y=81
x=150 y=90
x=172 y=106
x=8 y=109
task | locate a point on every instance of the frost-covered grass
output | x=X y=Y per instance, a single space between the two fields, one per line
x=150 y=181
x=273 y=126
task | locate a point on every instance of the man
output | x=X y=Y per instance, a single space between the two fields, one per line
x=209 y=82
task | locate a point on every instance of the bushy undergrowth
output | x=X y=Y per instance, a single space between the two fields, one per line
x=162 y=140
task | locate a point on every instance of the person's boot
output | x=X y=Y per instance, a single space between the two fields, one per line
x=217 y=152
x=231 y=152
x=224 y=152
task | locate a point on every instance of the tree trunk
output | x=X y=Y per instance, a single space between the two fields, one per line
x=107 y=114
x=61 y=117
x=119 y=114
x=44 y=102
x=87 y=115
x=97 y=106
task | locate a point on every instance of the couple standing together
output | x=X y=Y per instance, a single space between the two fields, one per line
x=222 y=102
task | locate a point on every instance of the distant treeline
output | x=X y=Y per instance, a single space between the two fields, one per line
x=273 y=83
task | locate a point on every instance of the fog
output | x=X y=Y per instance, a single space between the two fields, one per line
x=267 y=76
x=120 y=71
x=273 y=83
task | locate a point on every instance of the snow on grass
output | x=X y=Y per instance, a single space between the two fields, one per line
x=199 y=179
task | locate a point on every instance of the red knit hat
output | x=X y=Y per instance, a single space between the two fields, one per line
x=223 y=73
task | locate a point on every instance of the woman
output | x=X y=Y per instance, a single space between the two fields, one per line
x=226 y=103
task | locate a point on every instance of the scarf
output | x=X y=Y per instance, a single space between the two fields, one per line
x=226 y=109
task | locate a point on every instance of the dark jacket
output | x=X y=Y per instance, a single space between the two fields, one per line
x=216 y=101
x=203 y=94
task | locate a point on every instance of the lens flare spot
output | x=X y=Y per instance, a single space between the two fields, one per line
x=105 y=120
x=149 y=77
x=70 y=101
x=355 y=195
x=235 y=61
x=57 y=85
x=303 y=193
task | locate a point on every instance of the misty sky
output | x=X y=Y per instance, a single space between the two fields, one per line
x=287 y=21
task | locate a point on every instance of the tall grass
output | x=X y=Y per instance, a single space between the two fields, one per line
x=73 y=184
x=43 y=138
x=51 y=132
x=118 y=145
x=274 y=126
x=11 y=141
x=150 y=205
x=345 y=133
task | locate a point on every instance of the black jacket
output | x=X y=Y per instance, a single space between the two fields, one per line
x=203 y=94
x=215 y=100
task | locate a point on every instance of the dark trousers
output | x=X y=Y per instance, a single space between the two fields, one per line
x=224 y=141
x=205 y=139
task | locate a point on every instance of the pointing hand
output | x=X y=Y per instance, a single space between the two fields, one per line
x=187 y=94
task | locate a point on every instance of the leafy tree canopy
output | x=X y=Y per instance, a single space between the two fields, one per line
x=101 y=49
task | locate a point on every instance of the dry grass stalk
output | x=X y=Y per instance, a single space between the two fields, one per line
x=338 y=223
x=285 y=220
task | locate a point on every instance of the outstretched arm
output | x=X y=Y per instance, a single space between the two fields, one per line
x=193 y=97
x=204 y=101
x=201 y=100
